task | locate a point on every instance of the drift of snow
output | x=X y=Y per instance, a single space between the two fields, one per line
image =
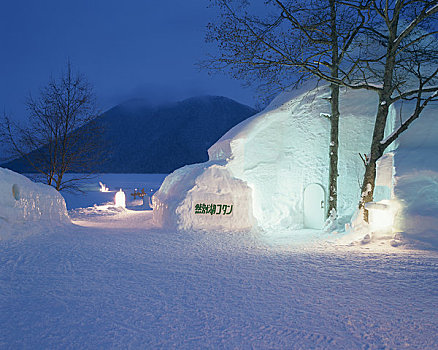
x=24 y=202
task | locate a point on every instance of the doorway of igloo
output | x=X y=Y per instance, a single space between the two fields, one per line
x=314 y=206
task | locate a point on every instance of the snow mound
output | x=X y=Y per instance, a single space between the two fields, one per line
x=418 y=218
x=264 y=165
x=203 y=196
x=23 y=201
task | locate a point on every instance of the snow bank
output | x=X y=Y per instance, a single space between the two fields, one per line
x=264 y=165
x=418 y=219
x=203 y=196
x=22 y=200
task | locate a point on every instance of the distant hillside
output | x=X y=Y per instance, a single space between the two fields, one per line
x=145 y=139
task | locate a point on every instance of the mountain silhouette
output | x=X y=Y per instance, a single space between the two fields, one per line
x=141 y=138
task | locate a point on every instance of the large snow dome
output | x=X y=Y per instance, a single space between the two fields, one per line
x=271 y=170
x=22 y=200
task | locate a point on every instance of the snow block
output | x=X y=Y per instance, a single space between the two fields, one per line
x=23 y=200
x=203 y=196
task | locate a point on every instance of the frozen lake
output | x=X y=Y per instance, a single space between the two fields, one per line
x=127 y=182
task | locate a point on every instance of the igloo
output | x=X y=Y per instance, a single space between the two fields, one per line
x=22 y=200
x=271 y=171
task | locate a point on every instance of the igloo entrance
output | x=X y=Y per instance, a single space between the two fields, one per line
x=314 y=206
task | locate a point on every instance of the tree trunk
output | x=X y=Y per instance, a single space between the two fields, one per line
x=377 y=150
x=334 y=145
x=59 y=183
x=334 y=119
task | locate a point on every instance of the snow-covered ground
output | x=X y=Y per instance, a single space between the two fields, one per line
x=113 y=280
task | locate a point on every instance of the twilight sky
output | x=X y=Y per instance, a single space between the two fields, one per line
x=130 y=48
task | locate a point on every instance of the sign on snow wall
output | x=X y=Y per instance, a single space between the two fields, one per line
x=204 y=196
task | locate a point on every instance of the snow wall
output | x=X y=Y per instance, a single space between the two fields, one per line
x=22 y=200
x=263 y=166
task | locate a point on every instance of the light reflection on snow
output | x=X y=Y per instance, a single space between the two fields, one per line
x=111 y=217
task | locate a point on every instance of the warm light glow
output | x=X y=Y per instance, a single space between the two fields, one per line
x=381 y=214
x=120 y=199
x=103 y=188
x=381 y=219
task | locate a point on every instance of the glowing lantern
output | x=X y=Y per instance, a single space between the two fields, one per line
x=120 y=199
x=381 y=214
x=103 y=188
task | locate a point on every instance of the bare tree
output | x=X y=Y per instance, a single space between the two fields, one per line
x=400 y=64
x=290 y=42
x=61 y=135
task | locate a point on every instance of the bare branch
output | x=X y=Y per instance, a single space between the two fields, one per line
x=61 y=136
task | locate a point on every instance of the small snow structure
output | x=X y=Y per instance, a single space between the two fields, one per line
x=22 y=200
x=271 y=170
x=120 y=199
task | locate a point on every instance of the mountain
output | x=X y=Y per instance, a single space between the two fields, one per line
x=159 y=139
